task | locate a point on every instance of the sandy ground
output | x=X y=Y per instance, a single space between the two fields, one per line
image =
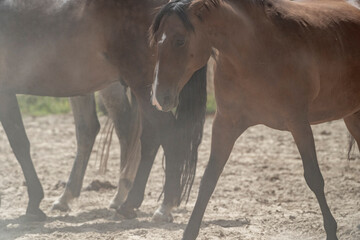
x=261 y=193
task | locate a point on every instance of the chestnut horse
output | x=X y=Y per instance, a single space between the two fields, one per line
x=284 y=64
x=69 y=48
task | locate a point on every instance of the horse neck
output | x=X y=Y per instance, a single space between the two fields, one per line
x=220 y=28
x=122 y=17
x=122 y=10
x=125 y=27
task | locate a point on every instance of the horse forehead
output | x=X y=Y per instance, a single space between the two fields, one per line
x=174 y=23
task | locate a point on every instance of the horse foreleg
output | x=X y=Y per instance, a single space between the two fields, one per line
x=11 y=120
x=224 y=135
x=87 y=127
x=174 y=157
x=149 y=148
x=304 y=139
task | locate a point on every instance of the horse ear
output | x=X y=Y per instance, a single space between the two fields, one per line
x=201 y=8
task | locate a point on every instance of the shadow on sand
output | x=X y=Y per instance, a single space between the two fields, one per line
x=90 y=222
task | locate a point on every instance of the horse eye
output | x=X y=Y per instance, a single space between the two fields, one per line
x=180 y=42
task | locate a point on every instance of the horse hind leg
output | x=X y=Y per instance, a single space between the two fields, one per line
x=87 y=127
x=304 y=139
x=11 y=120
x=127 y=121
x=352 y=123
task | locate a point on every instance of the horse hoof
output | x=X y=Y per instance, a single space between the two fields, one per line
x=127 y=213
x=161 y=217
x=34 y=216
x=114 y=205
x=60 y=206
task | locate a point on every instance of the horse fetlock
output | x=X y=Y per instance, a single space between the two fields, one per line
x=190 y=233
x=136 y=202
x=331 y=228
x=34 y=215
x=35 y=191
x=128 y=213
x=163 y=214
x=121 y=194
x=116 y=203
x=62 y=203
x=118 y=200
x=332 y=238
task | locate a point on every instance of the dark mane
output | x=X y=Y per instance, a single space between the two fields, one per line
x=204 y=5
x=177 y=7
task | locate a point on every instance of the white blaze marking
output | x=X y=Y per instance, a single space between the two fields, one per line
x=163 y=37
x=155 y=102
x=154 y=86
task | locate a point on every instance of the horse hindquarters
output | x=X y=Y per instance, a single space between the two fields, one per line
x=11 y=120
x=87 y=127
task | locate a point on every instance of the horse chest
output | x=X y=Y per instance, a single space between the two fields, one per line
x=258 y=105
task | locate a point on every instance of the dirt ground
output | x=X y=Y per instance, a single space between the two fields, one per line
x=261 y=193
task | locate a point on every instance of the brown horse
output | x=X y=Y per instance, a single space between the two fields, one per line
x=69 y=48
x=284 y=64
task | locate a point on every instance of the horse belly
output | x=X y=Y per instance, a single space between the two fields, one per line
x=338 y=97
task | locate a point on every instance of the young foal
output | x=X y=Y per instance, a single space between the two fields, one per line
x=285 y=64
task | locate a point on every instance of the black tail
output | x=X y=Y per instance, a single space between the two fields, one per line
x=190 y=118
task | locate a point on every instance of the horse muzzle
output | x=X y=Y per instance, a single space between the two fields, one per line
x=165 y=102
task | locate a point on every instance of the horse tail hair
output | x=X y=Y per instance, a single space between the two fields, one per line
x=103 y=148
x=104 y=145
x=350 y=149
x=190 y=117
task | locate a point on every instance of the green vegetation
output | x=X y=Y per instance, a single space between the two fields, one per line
x=211 y=104
x=41 y=106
